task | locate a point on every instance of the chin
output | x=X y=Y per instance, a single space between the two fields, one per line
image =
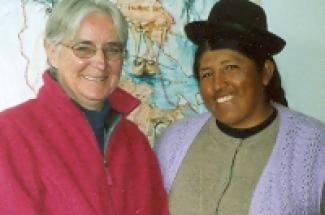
x=228 y=119
x=96 y=96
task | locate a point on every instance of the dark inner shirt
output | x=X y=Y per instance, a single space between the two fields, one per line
x=246 y=132
x=97 y=122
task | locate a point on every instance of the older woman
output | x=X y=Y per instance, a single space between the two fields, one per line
x=72 y=150
x=250 y=154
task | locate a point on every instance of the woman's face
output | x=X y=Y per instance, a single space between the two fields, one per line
x=232 y=88
x=88 y=81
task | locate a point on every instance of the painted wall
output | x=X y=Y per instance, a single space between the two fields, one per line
x=302 y=63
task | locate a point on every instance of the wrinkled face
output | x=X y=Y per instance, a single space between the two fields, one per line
x=232 y=88
x=88 y=81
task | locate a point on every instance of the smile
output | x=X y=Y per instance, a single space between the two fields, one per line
x=95 y=78
x=224 y=99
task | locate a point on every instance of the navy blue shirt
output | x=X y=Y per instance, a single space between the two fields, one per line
x=97 y=122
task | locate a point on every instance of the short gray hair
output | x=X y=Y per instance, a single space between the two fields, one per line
x=67 y=15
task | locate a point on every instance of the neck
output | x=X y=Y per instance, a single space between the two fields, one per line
x=97 y=107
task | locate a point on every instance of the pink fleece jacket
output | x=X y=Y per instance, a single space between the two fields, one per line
x=50 y=162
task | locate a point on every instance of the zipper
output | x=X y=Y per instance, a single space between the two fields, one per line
x=108 y=175
x=110 y=184
x=107 y=134
x=111 y=122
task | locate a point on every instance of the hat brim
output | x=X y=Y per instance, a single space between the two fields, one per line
x=200 y=31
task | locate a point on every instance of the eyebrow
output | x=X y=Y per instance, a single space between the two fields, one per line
x=226 y=61
x=88 y=42
x=204 y=69
x=119 y=44
x=84 y=42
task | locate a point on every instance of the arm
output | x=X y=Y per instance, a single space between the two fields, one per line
x=20 y=189
x=322 y=204
x=155 y=192
x=137 y=182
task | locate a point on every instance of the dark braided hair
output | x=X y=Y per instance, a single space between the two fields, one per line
x=274 y=90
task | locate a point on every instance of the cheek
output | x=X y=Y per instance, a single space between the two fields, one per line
x=115 y=73
x=113 y=81
x=116 y=68
x=251 y=91
x=70 y=66
x=206 y=89
x=250 y=84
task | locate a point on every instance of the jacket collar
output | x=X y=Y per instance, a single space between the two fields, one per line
x=122 y=101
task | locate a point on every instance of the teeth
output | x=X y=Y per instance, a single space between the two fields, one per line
x=93 y=78
x=224 y=99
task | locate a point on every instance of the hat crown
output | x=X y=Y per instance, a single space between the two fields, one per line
x=242 y=12
x=239 y=20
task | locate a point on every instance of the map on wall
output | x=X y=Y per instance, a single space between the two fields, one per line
x=158 y=69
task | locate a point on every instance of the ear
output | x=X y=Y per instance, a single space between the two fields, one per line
x=51 y=53
x=267 y=72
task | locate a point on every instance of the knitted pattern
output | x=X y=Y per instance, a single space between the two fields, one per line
x=293 y=178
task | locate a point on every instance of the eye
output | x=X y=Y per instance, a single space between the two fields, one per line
x=230 y=67
x=205 y=74
x=114 y=51
x=113 y=47
x=84 y=50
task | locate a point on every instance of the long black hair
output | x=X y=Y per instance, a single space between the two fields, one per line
x=274 y=91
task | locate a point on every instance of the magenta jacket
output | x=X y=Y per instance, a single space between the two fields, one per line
x=50 y=162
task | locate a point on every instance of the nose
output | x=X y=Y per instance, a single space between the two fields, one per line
x=99 y=60
x=218 y=81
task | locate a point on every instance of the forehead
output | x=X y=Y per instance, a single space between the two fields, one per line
x=221 y=56
x=97 y=26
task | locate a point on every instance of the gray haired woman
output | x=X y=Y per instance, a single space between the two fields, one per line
x=72 y=150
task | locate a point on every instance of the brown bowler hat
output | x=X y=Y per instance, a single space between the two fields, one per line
x=236 y=19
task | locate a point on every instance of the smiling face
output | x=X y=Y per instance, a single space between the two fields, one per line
x=232 y=87
x=88 y=81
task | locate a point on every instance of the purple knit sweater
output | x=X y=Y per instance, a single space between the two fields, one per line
x=294 y=176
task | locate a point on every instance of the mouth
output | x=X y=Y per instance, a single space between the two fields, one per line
x=95 y=78
x=224 y=99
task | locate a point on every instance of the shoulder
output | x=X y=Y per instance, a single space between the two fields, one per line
x=301 y=133
x=129 y=133
x=20 y=112
x=181 y=132
x=129 y=141
x=18 y=126
x=300 y=143
x=187 y=124
x=293 y=120
x=130 y=127
x=123 y=101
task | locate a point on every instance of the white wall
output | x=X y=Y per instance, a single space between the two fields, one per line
x=302 y=63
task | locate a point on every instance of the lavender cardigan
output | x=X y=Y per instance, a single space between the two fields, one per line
x=293 y=178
